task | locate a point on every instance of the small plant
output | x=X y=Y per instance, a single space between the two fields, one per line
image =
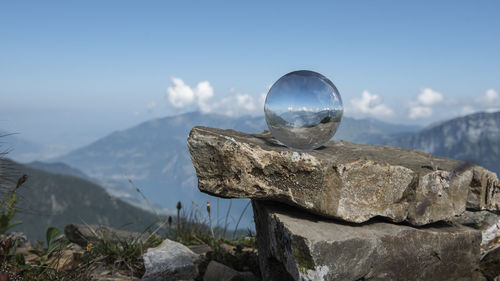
x=120 y=253
x=178 y=207
x=210 y=220
x=16 y=267
x=8 y=252
x=8 y=207
x=55 y=244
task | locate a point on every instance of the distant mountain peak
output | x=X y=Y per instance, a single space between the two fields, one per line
x=474 y=138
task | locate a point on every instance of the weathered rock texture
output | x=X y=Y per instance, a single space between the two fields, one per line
x=342 y=180
x=298 y=246
x=219 y=272
x=170 y=261
x=486 y=222
x=484 y=193
x=490 y=265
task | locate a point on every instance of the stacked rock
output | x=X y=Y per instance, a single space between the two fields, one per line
x=349 y=211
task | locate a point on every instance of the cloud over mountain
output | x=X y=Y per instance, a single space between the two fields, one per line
x=371 y=104
x=422 y=107
x=202 y=98
x=490 y=101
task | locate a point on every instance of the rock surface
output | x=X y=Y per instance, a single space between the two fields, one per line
x=170 y=261
x=490 y=265
x=219 y=272
x=489 y=225
x=484 y=192
x=342 y=180
x=298 y=246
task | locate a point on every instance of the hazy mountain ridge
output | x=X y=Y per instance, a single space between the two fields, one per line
x=18 y=147
x=153 y=154
x=124 y=191
x=474 y=138
x=58 y=168
x=48 y=199
x=371 y=131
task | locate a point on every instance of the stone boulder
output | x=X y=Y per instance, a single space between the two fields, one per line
x=170 y=261
x=342 y=180
x=294 y=245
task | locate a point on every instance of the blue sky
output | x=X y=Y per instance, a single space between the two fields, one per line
x=71 y=72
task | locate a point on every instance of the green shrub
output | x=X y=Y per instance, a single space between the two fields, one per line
x=8 y=207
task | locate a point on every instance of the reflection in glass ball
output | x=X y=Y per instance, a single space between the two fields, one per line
x=303 y=109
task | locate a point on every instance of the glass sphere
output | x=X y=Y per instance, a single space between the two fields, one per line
x=303 y=110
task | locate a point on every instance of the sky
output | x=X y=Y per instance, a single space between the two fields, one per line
x=72 y=72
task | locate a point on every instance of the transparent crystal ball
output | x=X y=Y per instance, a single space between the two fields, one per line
x=303 y=110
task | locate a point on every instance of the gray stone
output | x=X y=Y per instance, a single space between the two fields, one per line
x=219 y=272
x=352 y=182
x=170 y=261
x=490 y=265
x=484 y=193
x=294 y=245
x=82 y=234
x=489 y=225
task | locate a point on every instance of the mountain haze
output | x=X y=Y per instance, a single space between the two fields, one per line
x=18 y=147
x=474 y=138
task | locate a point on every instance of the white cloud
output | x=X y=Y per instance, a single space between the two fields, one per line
x=239 y=104
x=181 y=94
x=467 y=109
x=420 y=112
x=490 y=101
x=371 y=104
x=246 y=102
x=202 y=98
x=423 y=106
x=204 y=92
x=429 y=97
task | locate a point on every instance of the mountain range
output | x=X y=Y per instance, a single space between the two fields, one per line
x=55 y=200
x=474 y=138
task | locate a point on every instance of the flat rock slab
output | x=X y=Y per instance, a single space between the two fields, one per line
x=298 y=246
x=344 y=180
